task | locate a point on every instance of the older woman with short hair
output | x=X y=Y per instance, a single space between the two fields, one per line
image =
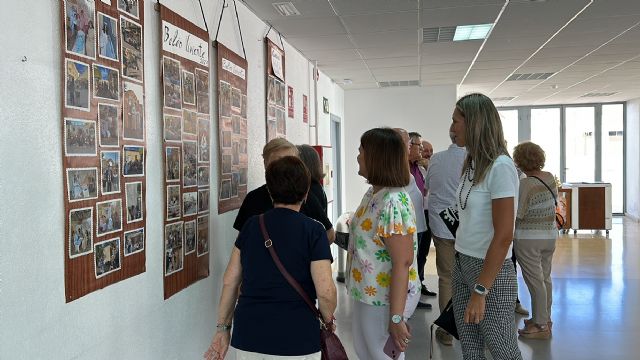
x=535 y=236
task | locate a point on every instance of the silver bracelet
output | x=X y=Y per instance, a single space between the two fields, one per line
x=223 y=327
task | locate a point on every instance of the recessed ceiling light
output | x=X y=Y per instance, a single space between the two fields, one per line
x=347 y=81
x=472 y=32
x=286 y=8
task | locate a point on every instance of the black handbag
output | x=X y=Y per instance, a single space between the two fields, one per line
x=451 y=219
x=447 y=322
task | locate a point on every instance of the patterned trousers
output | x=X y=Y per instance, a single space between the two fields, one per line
x=498 y=328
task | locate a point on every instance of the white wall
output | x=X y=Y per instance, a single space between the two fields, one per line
x=426 y=110
x=130 y=319
x=633 y=158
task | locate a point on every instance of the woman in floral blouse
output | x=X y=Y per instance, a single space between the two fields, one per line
x=383 y=277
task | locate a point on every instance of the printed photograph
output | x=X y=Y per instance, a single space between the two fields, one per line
x=189 y=164
x=110 y=172
x=243 y=146
x=108 y=124
x=172 y=128
x=171 y=81
x=133 y=241
x=79 y=137
x=235 y=179
x=189 y=203
x=226 y=164
x=225 y=190
x=80 y=29
x=173 y=202
x=188 y=88
x=173 y=248
x=202 y=91
x=203 y=176
x=243 y=107
x=325 y=105
x=133 y=161
x=203 y=235
x=80 y=232
x=243 y=128
x=82 y=184
x=225 y=98
x=281 y=121
x=107 y=257
x=226 y=139
x=243 y=176
x=132 y=66
x=235 y=119
x=76 y=90
x=235 y=152
x=271 y=112
x=271 y=90
x=134 y=201
x=236 y=99
x=106 y=83
x=203 y=140
x=280 y=93
x=227 y=124
x=271 y=130
x=107 y=37
x=190 y=236
x=129 y=7
x=189 y=122
x=173 y=163
x=109 y=216
x=133 y=111
x=203 y=201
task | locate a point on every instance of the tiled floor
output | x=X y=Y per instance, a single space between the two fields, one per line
x=596 y=310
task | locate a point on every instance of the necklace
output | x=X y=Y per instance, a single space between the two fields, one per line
x=467 y=176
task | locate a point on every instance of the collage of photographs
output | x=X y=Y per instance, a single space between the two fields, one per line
x=186 y=135
x=103 y=125
x=276 y=112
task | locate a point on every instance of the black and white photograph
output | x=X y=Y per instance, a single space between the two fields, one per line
x=243 y=107
x=80 y=27
x=109 y=172
x=82 y=184
x=202 y=91
x=172 y=158
x=203 y=176
x=203 y=235
x=226 y=164
x=173 y=248
x=235 y=181
x=133 y=161
x=131 y=45
x=226 y=139
x=235 y=120
x=190 y=236
x=107 y=37
x=236 y=99
x=108 y=125
x=79 y=137
x=109 y=216
x=189 y=163
x=225 y=190
x=106 y=83
x=280 y=94
x=235 y=152
x=80 y=232
x=271 y=129
x=281 y=121
x=225 y=98
x=243 y=146
x=171 y=81
x=173 y=202
x=135 y=206
x=189 y=122
x=243 y=176
x=129 y=7
x=203 y=201
x=189 y=203
x=132 y=111
x=107 y=257
x=133 y=241
x=76 y=90
x=172 y=128
x=203 y=140
x=188 y=88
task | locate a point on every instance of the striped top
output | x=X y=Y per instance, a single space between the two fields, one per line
x=536 y=209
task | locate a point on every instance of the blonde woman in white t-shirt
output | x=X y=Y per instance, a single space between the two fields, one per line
x=484 y=280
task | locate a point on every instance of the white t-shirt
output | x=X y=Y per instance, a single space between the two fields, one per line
x=475 y=231
x=416 y=198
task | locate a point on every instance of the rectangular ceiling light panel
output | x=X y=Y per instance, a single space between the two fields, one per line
x=399 y=83
x=286 y=8
x=472 y=32
x=530 y=76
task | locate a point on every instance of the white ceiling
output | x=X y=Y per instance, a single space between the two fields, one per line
x=592 y=46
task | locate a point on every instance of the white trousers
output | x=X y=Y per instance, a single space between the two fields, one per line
x=246 y=355
x=370 y=327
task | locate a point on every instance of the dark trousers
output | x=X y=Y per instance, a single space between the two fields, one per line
x=424 y=243
x=513 y=258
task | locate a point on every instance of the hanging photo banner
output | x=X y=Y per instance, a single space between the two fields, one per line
x=186 y=123
x=276 y=92
x=103 y=143
x=233 y=129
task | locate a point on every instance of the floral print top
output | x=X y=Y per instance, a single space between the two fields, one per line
x=379 y=216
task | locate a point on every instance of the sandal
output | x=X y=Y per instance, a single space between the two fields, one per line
x=535 y=331
x=528 y=322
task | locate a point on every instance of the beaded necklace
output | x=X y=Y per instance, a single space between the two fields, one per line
x=467 y=176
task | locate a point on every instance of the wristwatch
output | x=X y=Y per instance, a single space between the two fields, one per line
x=396 y=319
x=480 y=289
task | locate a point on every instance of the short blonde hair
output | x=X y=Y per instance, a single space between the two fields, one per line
x=276 y=145
x=529 y=156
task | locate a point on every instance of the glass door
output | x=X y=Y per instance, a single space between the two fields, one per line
x=545 y=131
x=580 y=144
x=510 y=127
x=613 y=153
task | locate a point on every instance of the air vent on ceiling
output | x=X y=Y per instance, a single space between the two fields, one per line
x=399 y=83
x=599 y=94
x=286 y=8
x=438 y=34
x=504 y=98
x=530 y=76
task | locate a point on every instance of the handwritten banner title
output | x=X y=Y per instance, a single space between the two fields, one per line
x=233 y=68
x=179 y=42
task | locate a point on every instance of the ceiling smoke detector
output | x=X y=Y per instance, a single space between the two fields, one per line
x=286 y=8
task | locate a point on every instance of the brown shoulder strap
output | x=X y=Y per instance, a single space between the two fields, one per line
x=269 y=245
